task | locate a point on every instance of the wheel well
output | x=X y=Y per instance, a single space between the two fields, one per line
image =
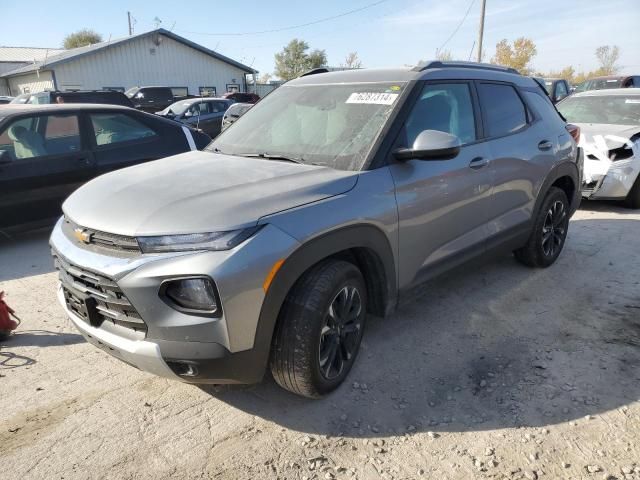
x=566 y=184
x=372 y=268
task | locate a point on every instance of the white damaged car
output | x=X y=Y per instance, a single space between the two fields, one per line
x=609 y=122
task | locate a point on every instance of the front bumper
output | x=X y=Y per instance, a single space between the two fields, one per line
x=177 y=345
x=610 y=180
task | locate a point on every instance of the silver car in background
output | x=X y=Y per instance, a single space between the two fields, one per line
x=609 y=122
x=233 y=113
x=329 y=201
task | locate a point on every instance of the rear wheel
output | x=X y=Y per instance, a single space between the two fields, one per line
x=549 y=231
x=633 y=197
x=319 y=329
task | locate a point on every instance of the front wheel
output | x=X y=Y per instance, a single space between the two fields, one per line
x=549 y=231
x=319 y=329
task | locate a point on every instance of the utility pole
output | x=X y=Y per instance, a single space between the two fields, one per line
x=481 y=31
x=129 y=19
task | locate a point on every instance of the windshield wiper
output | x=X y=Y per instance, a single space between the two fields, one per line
x=269 y=156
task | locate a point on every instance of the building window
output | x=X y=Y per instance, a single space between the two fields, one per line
x=114 y=89
x=207 y=91
x=180 y=91
x=233 y=87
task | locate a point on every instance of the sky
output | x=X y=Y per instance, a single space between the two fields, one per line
x=383 y=32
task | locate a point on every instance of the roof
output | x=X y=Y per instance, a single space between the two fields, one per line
x=75 y=53
x=17 y=108
x=427 y=70
x=26 y=54
x=608 y=92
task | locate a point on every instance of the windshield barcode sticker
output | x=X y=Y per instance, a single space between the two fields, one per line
x=372 y=98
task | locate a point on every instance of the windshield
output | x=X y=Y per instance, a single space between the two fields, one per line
x=177 y=108
x=612 y=109
x=334 y=125
x=21 y=98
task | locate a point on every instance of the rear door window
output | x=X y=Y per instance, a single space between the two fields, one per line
x=41 y=136
x=503 y=109
x=114 y=128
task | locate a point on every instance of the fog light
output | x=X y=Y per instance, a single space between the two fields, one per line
x=198 y=294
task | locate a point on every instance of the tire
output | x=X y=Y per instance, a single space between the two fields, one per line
x=549 y=231
x=310 y=329
x=633 y=197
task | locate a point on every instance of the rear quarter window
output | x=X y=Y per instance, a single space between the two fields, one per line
x=504 y=111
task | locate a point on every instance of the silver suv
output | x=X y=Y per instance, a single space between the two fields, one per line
x=323 y=204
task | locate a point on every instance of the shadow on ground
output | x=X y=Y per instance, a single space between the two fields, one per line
x=25 y=255
x=491 y=345
x=41 y=338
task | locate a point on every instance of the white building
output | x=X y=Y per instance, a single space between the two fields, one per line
x=155 y=58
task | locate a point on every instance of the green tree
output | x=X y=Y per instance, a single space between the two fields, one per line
x=517 y=55
x=294 y=60
x=81 y=38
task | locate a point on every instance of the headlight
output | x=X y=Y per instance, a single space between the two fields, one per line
x=196 y=241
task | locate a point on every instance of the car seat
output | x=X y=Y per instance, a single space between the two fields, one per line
x=26 y=143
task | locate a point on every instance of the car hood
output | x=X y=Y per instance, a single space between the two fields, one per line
x=199 y=192
x=614 y=136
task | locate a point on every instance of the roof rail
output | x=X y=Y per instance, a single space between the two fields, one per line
x=422 y=66
x=315 y=71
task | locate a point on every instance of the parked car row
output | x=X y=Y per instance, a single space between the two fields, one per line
x=326 y=201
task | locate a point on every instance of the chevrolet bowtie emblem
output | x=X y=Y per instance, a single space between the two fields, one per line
x=82 y=235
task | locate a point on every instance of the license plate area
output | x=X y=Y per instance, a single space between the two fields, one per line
x=83 y=305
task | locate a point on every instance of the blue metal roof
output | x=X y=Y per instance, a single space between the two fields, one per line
x=75 y=53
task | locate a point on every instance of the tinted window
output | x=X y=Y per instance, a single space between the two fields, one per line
x=561 y=91
x=504 y=111
x=41 y=136
x=110 y=128
x=218 y=107
x=444 y=107
x=158 y=94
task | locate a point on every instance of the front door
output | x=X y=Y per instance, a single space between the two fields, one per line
x=442 y=204
x=43 y=158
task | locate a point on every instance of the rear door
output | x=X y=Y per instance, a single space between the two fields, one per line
x=121 y=138
x=47 y=158
x=522 y=148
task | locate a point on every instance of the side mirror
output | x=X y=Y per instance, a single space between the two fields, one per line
x=188 y=114
x=5 y=157
x=431 y=145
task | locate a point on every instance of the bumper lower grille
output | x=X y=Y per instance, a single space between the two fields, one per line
x=96 y=298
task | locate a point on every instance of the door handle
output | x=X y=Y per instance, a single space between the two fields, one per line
x=478 y=162
x=545 y=145
x=83 y=161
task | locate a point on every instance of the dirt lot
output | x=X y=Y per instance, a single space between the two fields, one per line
x=494 y=371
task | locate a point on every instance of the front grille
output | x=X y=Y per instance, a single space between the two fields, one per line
x=98 y=239
x=96 y=298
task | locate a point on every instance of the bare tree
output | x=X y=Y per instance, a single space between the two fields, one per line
x=265 y=78
x=607 y=57
x=352 y=61
x=444 y=55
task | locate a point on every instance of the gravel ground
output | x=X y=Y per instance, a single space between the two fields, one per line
x=492 y=371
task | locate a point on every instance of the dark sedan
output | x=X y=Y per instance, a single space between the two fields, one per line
x=47 y=151
x=201 y=113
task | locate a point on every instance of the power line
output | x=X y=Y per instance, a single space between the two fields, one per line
x=457 y=28
x=292 y=27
